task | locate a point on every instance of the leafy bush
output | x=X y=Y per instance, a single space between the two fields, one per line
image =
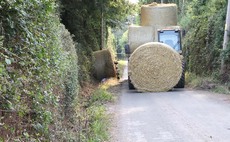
x=98 y=130
x=204 y=23
x=70 y=66
x=39 y=69
x=96 y=119
x=38 y=72
x=83 y=19
x=101 y=95
x=65 y=122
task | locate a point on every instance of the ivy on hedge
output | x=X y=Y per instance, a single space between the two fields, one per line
x=36 y=69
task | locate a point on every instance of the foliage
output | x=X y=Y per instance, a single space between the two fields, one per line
x=38 y=71
x=98 y=119
x=83 y=19
x=121 y=66
x=225 y=54
x=98 y=124
x=65 y=124
x=124 y=40
x=204 y=25
x=111 y=42
x=121 y=32
x=209 y=82
x=31 y=61
x=223 y=89
x=70 y=66
x=92 y=117
x=101 y=95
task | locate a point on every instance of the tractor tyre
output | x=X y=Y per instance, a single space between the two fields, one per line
x=131 y=86
x=181 y=82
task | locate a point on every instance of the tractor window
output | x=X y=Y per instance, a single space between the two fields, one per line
x=171 y=38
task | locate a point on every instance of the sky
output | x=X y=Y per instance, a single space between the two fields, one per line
x=133 y=1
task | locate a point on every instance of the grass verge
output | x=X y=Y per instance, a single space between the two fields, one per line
x=94 y=118
x=210 y=83
x=121 y=65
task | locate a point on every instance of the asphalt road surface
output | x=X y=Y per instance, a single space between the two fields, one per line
x=177 y=116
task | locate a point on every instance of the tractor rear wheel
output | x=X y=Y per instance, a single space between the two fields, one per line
x=181 y=82
x=131 y=86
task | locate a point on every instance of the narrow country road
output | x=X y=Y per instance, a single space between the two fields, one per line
x=177 y=116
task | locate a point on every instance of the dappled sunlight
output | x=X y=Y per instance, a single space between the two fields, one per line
x=122 y=62
x=107 y=83
x=132 y=110
x=111 y=82
x=134 y=1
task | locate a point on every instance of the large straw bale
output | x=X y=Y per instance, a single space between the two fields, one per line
x=159 y=15
x=103 y=64
x=110 y=70
x=154 y=67
x=139 y=35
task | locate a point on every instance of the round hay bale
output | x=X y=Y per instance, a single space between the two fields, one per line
x=154 y=67
x=103 y=64
x=139 y=35
x=110 y=69
x=159 y=14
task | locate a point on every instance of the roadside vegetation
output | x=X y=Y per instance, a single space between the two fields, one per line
x=209 y=83
x=94 y=120
x=204 y=23
x=46 y=65
x=121 y=67
x=38 y=72
x=47 y=91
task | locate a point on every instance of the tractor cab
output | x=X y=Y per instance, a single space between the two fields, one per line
x=171 y=38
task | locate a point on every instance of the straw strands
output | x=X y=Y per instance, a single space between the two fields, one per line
x=103 y=64
x=154 y=67
x=139 y=35
x=159 y=15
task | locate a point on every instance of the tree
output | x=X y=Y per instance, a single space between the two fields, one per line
x=88 y=21
x=226 y=38
x=203 y=22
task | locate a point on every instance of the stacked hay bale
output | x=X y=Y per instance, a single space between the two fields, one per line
x=159 y=15
x=139 y=35
x=154 y=67
x=103 y=64
x=153 y=17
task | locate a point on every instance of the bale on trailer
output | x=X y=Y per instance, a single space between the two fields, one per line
x=139 y=35
x=166 y=15
x=103 y=64
x=154 y=67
